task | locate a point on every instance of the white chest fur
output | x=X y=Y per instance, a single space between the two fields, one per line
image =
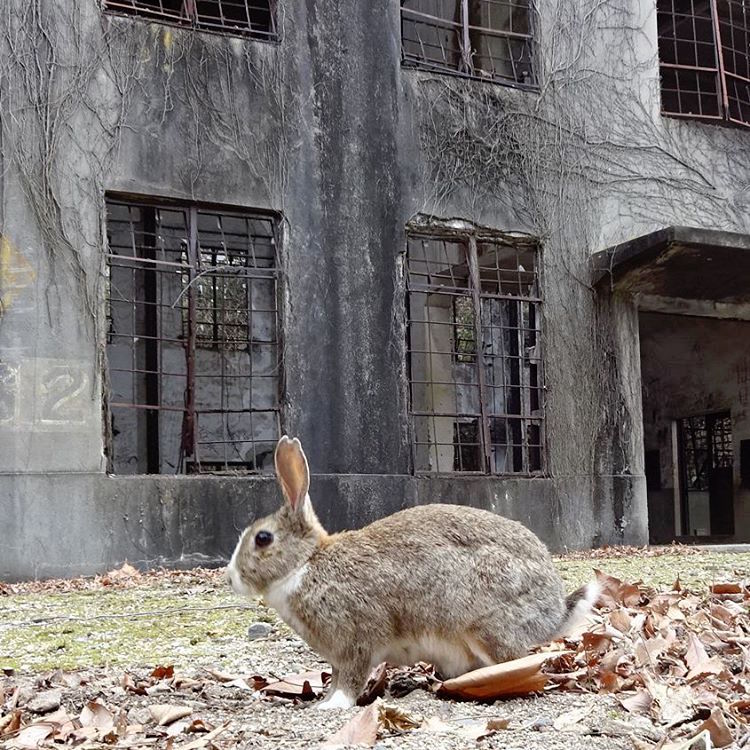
x=279 y=594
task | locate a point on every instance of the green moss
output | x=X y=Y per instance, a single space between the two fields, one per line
x=695 y=571
x=192 y=626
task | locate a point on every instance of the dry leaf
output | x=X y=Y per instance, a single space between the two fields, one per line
x=126 y=571
x=517 y=677
x=205 y=740
x=165 y=713
x=375 y=686
x=640 y=702
x=361 y=729
x=717 y=727
x=305 y=685
x=726 y=588
x=567 y=722
x=10 y=723
x=394 y=719
x=95 y=714
x=30 y=737
x=163 y=673
x=470 y=729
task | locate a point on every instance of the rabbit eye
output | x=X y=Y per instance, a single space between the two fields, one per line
x=263 y=538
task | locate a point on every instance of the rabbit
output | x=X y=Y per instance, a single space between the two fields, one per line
x=455 y=586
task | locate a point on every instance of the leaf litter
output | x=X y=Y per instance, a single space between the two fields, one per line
x=676 y=659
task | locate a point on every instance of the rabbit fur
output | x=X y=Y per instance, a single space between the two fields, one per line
x=455 y=586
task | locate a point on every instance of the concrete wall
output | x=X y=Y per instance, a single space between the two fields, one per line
x=692 y=366
x=328 y=129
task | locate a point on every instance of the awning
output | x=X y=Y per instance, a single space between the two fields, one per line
x=682 y=262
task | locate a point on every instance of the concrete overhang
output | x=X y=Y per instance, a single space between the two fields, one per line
x=679 y=262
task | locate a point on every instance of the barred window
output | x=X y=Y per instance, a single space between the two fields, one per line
x=192 y=347
x=489 y=39
x=704 y=51
x=252 y=18
x=474 y=354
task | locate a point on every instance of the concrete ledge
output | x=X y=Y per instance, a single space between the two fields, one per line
x=66 y=525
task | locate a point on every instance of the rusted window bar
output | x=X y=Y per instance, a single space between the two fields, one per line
x=704 y=53
x=484 y=39
x=192 y=334
x=476 y=401
x=251 y=18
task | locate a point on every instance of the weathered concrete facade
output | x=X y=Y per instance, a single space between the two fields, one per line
x=330 y=132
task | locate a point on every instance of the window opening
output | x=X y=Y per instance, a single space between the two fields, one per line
x=706 y=470
x=474 y=347
x=253 y=18
x=488 y=39
x=192 y=347
x=704 y=52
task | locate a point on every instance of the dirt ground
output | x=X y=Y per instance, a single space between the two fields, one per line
x=66 y=645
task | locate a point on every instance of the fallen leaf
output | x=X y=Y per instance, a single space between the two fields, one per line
x=10 y=723
x=95 y=714
x=375 y=686
x=126 y=571
x=717 y=727
x=517 y=677
x=395 y=719
x=726 y=588
x=306 y=685
x=163 y=673
x=566 y=722
x=361 y=729
x=165 y=713
x=639 y=702
x=470 y=729
x=205 y=740
x=30 y=737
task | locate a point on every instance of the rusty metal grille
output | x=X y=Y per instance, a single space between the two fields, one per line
x=192 y=351
x=474 y=355
x=253 y=18
x=704 y=52
x=488 y=39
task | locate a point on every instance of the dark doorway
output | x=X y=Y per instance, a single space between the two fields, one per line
x=706 y=480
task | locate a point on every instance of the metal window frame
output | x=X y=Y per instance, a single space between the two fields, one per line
x=190 y=453
x=191 y=20
x=723 y=76
x=466 y=68
x=471 y=238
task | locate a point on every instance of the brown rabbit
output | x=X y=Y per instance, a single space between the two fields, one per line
x=458 y=587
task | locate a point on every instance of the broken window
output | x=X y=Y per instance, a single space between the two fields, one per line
x=706 y=474
x=704 y=51
x=474 y=348
x=192 y=346
x=488 y=39
x=253 y=18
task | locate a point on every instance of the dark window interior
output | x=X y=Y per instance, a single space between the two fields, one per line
x=252 y=18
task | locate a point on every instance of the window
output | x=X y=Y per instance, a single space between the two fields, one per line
x=253 y=18
x=474 y=353
x=489 y=39
x=704 y=49
x=192 y=346
x=706 y=474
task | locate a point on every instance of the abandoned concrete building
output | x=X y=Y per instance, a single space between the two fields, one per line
x=492 y=252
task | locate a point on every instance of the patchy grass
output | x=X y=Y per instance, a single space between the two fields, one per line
x=694 y=570
x=192 y=621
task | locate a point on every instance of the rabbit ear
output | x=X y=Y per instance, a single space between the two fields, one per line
x=292 y=471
